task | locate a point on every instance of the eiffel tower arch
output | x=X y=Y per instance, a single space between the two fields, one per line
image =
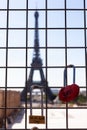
x=36 y=65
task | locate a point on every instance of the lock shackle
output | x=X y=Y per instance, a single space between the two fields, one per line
x=41 y=89
x=65 y=74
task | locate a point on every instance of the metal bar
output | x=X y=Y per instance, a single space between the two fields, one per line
x=65 y=74
x=31 y=101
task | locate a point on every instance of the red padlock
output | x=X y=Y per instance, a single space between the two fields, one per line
x=69 y=92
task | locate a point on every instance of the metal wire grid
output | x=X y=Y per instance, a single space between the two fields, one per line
x=7 y=48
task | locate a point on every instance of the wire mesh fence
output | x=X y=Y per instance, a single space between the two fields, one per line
x=62 y=28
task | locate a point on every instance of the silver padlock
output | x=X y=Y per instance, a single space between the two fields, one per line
x=38 y=119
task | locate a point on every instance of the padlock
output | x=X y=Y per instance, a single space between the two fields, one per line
x=69 y=92
x=36 y=119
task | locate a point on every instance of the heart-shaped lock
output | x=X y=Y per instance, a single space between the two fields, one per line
x=69 y=92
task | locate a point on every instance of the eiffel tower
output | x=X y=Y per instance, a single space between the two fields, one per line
x=36 y=65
